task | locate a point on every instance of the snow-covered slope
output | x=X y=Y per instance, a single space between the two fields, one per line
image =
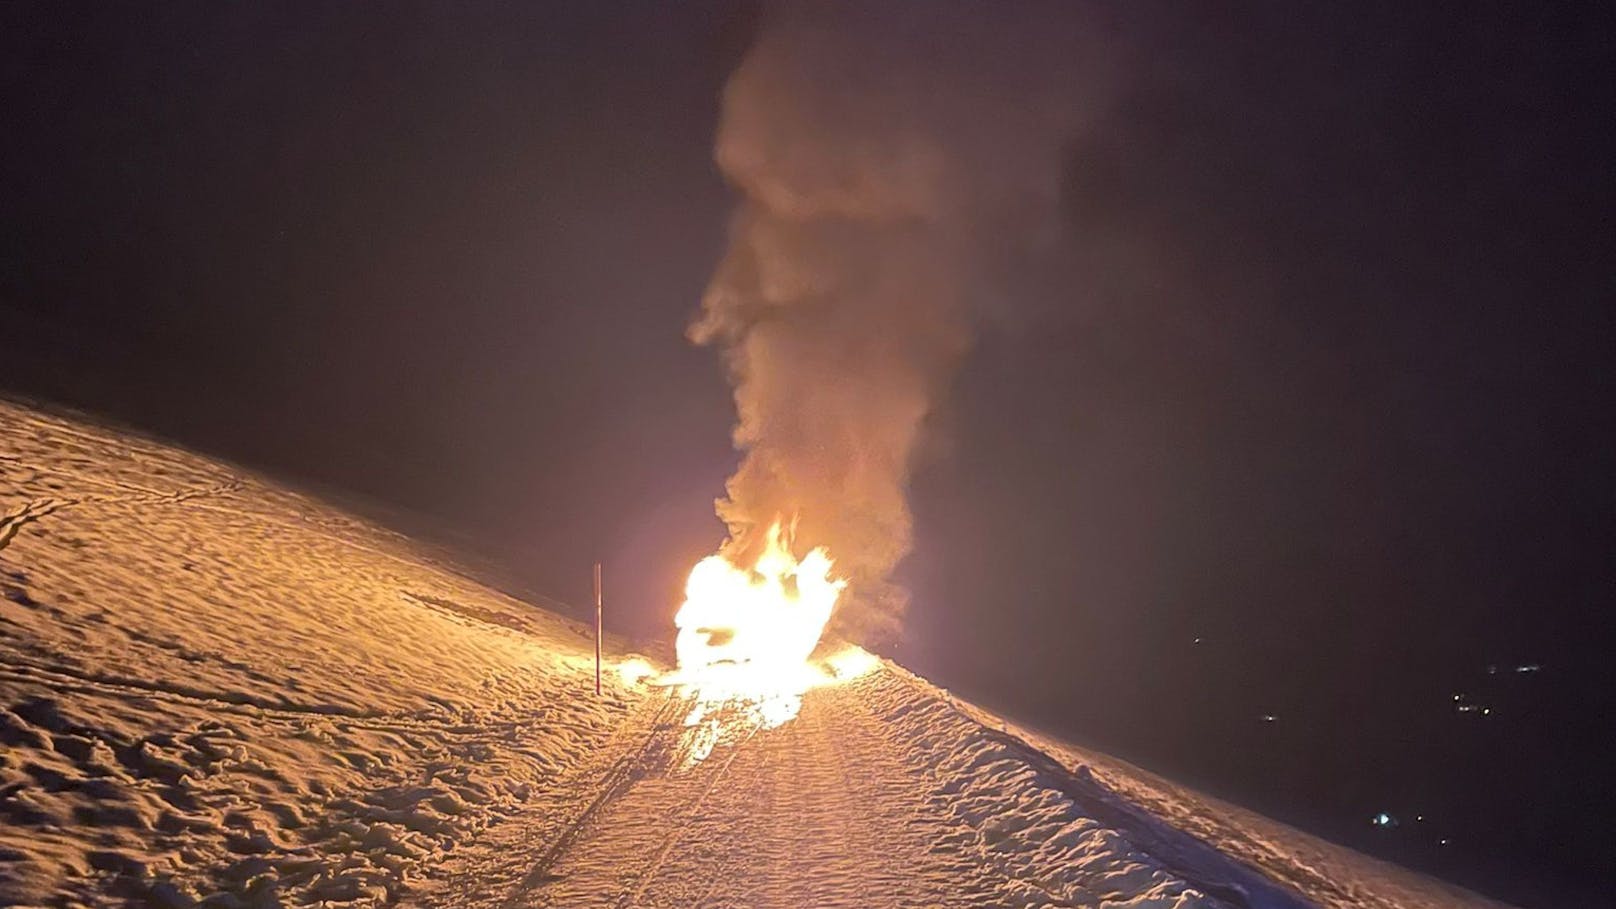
x=211 y=685
x=214 y=689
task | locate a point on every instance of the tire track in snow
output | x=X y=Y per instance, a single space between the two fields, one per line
x=511 y=866
x=620 y=854
x=813 y=813
x=877 y=794
x=675 y=833
x=617 y=779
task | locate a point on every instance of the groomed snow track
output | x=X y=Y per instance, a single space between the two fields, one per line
x=880 y=793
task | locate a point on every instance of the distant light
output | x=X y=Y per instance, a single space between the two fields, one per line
x=1458 y=697
x=1383 y=820
x=1486 y=711
x=1197 y=640
x=1419 y=817
x=1442 y=842
x=1269 y=718
x=1528 y=667
x=1491 y=669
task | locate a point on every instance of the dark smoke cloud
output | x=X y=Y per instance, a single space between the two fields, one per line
x=890 y=162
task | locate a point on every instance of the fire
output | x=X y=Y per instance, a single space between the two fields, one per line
x=756 y=622
x=746 y=636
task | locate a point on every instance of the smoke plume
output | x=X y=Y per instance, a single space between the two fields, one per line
x=889 y=163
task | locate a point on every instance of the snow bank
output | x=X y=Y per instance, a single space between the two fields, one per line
x=214 y=688
x=1047 y=797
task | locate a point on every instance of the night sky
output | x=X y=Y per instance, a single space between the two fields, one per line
x=1309 y=417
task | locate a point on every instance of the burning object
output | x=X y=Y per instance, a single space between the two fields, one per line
x=892 y=171
x=745 y=638
x=755 y=622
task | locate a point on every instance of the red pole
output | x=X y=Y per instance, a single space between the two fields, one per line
x=597 y=628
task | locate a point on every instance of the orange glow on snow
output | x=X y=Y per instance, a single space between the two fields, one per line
x=635 y=669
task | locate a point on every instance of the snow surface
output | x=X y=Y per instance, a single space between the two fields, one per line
x=214 y=689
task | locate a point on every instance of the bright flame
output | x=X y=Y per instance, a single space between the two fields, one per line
x=758 y=622
x=745 y=636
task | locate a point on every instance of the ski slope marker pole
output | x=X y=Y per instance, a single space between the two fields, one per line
x=597 y=628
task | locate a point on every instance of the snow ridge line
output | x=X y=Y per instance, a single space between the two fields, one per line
x=1199 y=864
x=1181 y=854
x=616 y=781
x=1054 y=894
